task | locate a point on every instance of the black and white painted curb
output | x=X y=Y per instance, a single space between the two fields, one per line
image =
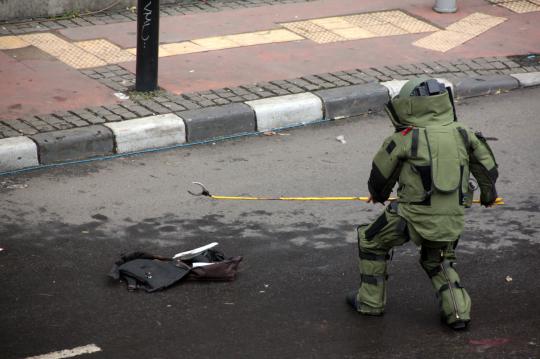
x=213 y=123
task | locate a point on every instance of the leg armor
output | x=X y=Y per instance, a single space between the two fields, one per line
x=371 y=297
x=454 y=301
x=374 y=242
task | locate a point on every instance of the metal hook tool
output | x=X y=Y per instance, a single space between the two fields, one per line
x=204 y=191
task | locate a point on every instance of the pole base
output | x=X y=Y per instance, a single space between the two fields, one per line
x=445 y=6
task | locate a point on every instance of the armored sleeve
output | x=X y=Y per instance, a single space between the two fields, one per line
x=483 y=167
x=385 y=169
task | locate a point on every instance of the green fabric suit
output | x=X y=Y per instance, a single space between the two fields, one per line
x=431 y=157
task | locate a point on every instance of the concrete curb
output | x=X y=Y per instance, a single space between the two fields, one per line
x=74 y=144
x=285 y=111
x=352 y=101
x=528 y=79
x=220 y=122
x=148 y=132
x=484 y=85
x=17 y=152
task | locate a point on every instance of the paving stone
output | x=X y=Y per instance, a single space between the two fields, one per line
x=463 y=67
x=153 y=106
x=6 y=131
x=511 y=64
x=206 y=103
x=81 y=22
x=448 y=66
x=36 y=123
x=211 y=96
x=173 y=107
x=88 y=116
x=160 y=99
x=66 y=23
x=265 y=94
x=137 y=109
x=74 y=144
x=221 y=101
x=20 y=126
x=436 y=68
x=112 y=118
x=75 y=121
x=95 y=20
x=498 y=65
x=99 y=111
x=55 y=122
x=190 y=105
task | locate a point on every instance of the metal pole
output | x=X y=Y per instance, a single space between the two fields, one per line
x=147 y=45
x=445 y=6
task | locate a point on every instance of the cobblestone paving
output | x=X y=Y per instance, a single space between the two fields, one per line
x=16 y=27
x=121 y=80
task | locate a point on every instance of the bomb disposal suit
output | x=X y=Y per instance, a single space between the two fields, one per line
x=431 y=157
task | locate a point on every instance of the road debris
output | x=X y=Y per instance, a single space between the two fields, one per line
x=17 y=186
x=121 y=96
x=508 y=278
x=341 y=139
x=152 y=272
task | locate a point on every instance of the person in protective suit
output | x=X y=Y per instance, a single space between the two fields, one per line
x=431 y=157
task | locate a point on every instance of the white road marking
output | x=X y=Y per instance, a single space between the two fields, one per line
x=69 y=353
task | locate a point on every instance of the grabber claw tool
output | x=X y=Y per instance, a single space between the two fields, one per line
x=206 y=193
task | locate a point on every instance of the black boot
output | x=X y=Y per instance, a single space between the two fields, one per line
x=459 y=325
x=351 y=300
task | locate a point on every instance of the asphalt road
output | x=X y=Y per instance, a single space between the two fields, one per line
x=62 y=229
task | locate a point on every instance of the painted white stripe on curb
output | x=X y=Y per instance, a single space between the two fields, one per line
x=527 y=79
x=69 y=353
x=289 y=110
x=148 y=132
x=446 y=83
x=17 y=153
x=394 y=86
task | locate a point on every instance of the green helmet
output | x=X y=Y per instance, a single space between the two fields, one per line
x=422 y=102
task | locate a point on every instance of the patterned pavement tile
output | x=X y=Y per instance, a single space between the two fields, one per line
x=64 y=51
x=443 y=40
x=521 y=7
x=11 y=43
x=108 y=52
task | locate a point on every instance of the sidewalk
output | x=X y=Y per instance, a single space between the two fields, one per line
x=45 y=72
x=246 y=71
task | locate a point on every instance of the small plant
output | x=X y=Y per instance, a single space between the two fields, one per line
x=140 y=95
x=72 y=14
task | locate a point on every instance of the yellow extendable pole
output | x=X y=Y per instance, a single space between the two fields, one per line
x=206 y=193
x=498 y=201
